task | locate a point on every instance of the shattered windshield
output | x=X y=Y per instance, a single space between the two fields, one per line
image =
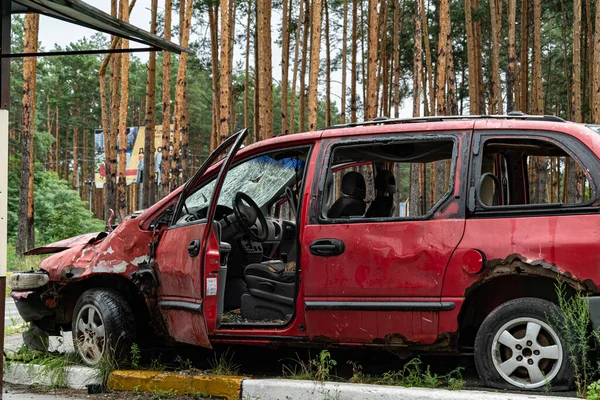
x=260 y=178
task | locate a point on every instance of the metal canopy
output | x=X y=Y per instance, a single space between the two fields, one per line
x=80 y=13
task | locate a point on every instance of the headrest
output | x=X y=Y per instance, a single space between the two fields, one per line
x=385 y=182
x=353 y=185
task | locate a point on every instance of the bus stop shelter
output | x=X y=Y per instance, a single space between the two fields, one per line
x=70 y=11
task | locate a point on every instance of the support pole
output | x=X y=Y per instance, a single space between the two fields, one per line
x=5 y=6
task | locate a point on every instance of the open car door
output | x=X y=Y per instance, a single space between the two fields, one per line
x=187 y=249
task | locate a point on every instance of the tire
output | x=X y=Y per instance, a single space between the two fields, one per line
x=103 y=326
x=509 y=354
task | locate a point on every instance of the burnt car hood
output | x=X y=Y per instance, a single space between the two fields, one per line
x=65 y=244
x=122 y=251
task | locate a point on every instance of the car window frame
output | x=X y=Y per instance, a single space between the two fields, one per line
x=379 y=139
x=569 y=144
x=244 y=158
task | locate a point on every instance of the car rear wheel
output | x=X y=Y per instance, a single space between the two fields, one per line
x=103 y=325
x=519 y=345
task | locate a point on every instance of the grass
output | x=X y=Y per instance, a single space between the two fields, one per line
x=52 y=365
x=316 y=369
x=223 y=364
x=412 y=374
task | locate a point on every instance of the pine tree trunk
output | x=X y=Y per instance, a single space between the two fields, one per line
x=479 y=60
x=302 y=99
x=512 y=55
x=344 y=62
x=495 y=88
x=538 y=91
x=224 y=72
x=247 y=73
x=442 y=59
x=166 y=104
x=74 y=182
x=396 y=58
x=595 y=89
x=313 y=77
x=50 y=162
x=428 y=102
x=417 y=69
x=148 y=176
x=57 y=141
x=373 y=39
x=26 y=231
x=285 y=63
x=452 y=108
x=327 y=67
x=590 y=53
x=84 y=163
x=122 y=182
x=382 y=79
x=108 y=124
x=473 y=95
x=576 y=89
x=265 y=80
x=354 y=73
x=214 y=54
x=292 y=122
x=524 y=62
x=182 y=116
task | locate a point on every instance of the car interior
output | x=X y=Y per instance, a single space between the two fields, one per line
x=374 y=181
x=509 y=166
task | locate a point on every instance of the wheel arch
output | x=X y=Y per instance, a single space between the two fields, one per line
x=125 y=287
x=485 y=297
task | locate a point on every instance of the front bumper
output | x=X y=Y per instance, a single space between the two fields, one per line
x=30 y=305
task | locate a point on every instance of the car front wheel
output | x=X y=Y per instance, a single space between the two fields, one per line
x=519 y=345
x=103 y=325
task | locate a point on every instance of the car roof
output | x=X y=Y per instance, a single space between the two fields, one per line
x=383 y=125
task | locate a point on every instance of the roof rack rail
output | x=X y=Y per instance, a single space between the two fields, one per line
x=385 y=120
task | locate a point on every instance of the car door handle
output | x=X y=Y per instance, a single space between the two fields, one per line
x=194 y=248
x=327 y=247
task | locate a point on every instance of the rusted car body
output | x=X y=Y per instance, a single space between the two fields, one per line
x=204 y=265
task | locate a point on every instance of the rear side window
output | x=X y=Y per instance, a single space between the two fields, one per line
x=387 y=180
x=529 y=171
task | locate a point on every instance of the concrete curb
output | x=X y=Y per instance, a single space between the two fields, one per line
x=284 y=389
x=28 y=374
x=228 y=387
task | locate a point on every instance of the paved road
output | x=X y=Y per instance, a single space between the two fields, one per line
x=11 y=316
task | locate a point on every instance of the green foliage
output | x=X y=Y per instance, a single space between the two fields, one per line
x=316 y=369
x=411 y=375
x=59 y=212
x=593 y=391
x=15 y=262
x=135 y=356
x=573 y=323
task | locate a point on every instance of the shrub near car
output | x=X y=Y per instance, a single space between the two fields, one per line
x=418 y=235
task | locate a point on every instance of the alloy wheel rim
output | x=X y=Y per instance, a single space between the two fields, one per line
x=90 y=335
x=527 y=353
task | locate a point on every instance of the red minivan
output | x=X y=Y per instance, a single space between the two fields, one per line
x=428 y=234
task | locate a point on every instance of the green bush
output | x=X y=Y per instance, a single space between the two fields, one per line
x=59 y=212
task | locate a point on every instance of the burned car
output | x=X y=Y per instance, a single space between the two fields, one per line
x=431 y=234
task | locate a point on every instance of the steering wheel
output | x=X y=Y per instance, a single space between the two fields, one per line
x=247 y=212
